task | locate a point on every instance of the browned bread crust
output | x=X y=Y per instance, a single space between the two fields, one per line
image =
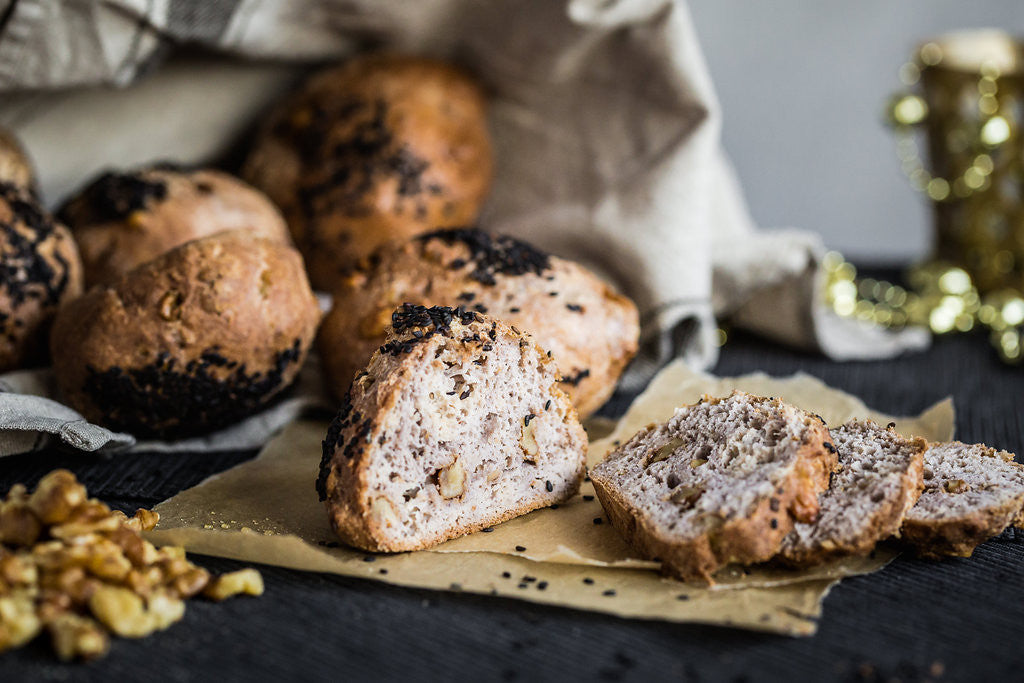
x=122 y=220
x=972 y=493
x=15 y=167
x=388 y=487
x=591 y=330
x=191 y=341
x=40 y=272
x=378 y=149
x=754 y=531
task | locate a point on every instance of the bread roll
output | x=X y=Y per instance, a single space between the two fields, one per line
x=122 y=220
x=590 y=330
x=456 y=424
x=194 y=340
x=375 y=150
x=40 y=272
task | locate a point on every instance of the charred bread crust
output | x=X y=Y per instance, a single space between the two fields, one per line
x=356 y=512
x=377 y=149
x=40 y=272
x=124 y=219
x=751 y=538
x=192 y=341
x=591 y=331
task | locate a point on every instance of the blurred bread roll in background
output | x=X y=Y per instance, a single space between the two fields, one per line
x=589 y=329
x=124 y=219
x=375 y=150
x=39 y=271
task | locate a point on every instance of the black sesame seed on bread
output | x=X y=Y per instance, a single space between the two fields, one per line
x=590 y=330
x=971 y=494
x=377 y=149
x=192 y=341
x=879 y=478
x=721 y=482
x=39 y=271
x=456 y=424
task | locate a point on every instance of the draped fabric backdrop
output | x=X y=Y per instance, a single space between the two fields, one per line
x=605 y=123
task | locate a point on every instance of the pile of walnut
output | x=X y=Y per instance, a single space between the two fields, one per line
x=71 y=566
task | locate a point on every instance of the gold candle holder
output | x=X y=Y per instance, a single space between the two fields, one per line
x=968 y=97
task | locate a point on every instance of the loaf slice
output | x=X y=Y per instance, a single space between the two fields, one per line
x=721 y=482
x=878 y=480
x=456 y=424
x=971 y=493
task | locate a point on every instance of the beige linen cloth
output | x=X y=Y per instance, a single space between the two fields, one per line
x=604 y=117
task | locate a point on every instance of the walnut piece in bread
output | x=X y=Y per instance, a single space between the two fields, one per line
x=377 y=149
x=971 y=494
x=191 y=341
x=591 y=331
x=40 y=271
x=722 y=481
x=878 y=480
x=456 y=424
x=124 y=219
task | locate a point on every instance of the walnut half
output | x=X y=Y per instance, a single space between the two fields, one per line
x=451 y=480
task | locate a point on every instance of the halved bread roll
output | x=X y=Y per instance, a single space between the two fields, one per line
x=456 y=424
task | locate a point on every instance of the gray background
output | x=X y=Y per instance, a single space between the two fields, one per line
x=803 y=85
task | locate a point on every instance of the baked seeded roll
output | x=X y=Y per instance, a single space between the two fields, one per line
x=15 y=167
x=377 y=149
x=720 y=482
x=192 y=341
x=39 y=271
x=456 y=424
x=971 y=494
x=122 y=220
x=590 y=330
x=878 y=480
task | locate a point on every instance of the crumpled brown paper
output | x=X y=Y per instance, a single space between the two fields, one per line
x=266 y=511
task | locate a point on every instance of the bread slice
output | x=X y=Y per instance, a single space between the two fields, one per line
x=456 y=424
x=721 y=482
x=971 y=493
x=878 y=480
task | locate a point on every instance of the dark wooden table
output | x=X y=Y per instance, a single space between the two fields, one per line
x=913 y=621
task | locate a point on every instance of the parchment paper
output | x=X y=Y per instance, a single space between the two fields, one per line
x=266 y=511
